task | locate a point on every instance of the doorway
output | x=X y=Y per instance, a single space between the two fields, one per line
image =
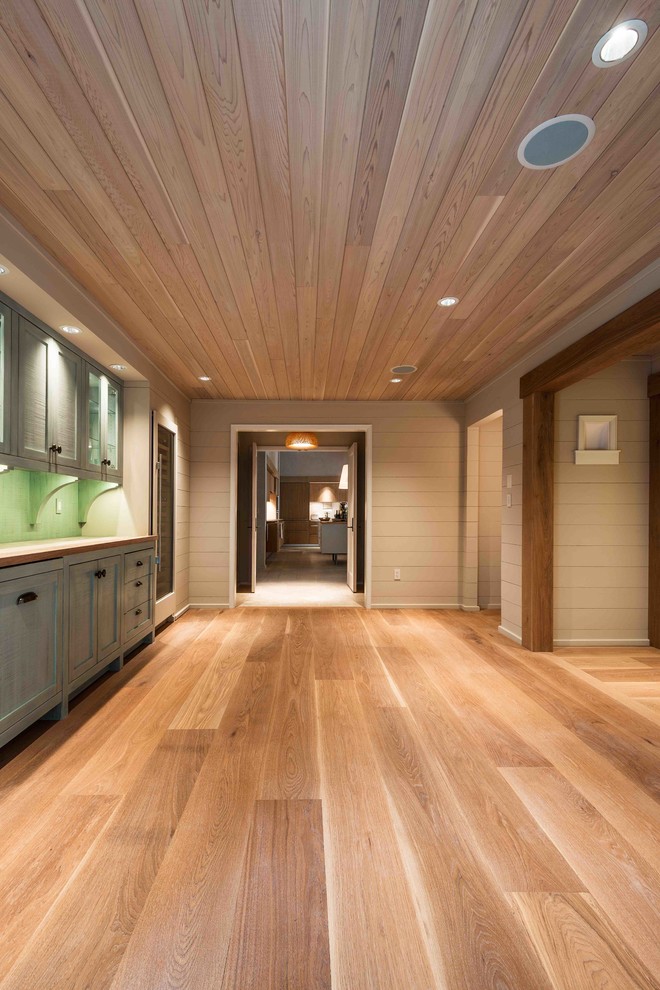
x=301 y=522
x=163 y=513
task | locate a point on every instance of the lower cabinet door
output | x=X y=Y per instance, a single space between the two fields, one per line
x=82 y=617
x=109 y=606
x=30 y=644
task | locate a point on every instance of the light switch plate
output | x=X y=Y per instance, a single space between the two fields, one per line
x=509 y=481
x=509 y=502
x=58 y=506
x=397 y=573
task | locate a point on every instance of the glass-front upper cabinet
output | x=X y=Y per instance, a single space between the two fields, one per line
x=104 y=425
x=5 y=377
x=93 y=458
x=112 y=435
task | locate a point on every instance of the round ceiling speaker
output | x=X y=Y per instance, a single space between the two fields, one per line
x=301 y=441
x=556 y=141
x=403 y=369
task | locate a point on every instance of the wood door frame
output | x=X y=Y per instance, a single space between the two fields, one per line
x=653 y=392
x=237 y=428
x=635 y=330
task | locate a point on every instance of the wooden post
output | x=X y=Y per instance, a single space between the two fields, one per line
x=537 y=521
x=654 y=510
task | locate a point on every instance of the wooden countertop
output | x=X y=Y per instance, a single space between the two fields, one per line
x=33 y=550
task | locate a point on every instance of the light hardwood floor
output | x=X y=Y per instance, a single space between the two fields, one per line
x=357 y=800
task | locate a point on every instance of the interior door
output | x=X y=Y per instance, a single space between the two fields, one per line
x=253 y=522
x=351 y=524
x=163 y=513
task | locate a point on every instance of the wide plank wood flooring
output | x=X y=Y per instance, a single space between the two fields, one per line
x=307 y=799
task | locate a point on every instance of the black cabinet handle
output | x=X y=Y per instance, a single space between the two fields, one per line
x=106 y=462
x=101 y=574
x=138 y=563
x=138 y=611
x=28 y=596
x=56 y=448
x=138 y=584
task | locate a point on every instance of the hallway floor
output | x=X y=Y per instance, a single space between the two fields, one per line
x=302 y=577
x=309 y=799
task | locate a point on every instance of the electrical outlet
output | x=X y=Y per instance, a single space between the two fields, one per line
x=58 y=506
x=397 y=573
x=509 y=502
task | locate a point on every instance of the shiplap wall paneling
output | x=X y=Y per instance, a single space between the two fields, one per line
x=416 y=493
x=602 y=514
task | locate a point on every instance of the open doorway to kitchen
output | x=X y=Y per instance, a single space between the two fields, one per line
x=301 y=521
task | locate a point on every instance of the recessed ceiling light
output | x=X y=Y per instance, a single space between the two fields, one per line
x=447 y=301
x=395 y=381
x=3 y=270
x=619 y=43
x=119 y=367
x=556 y=141
x=403 y=369
x=72 y=330
x=204 y=378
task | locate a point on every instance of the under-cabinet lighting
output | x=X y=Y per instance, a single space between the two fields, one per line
x=71 y=330
x=119 y=367
x=3 y=270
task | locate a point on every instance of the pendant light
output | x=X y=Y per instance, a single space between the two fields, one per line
x=301 y=441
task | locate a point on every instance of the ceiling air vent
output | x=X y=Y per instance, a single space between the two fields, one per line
x=403 y=369
x=556 y=141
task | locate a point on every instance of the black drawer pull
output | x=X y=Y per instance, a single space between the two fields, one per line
x=29 y=596
x=106 y=462
x=56 y=448
x=138 y=584
x=138 y=611
x=138 y=563
x=101 y=574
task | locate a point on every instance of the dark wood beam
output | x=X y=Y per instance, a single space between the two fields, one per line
x=537 y=521
x=654 y=517
x=654 y=385
x=635 y=331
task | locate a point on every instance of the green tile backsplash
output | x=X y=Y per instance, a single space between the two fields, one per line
x=14 y=502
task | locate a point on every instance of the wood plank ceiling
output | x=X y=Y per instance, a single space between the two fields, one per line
x=275 y=193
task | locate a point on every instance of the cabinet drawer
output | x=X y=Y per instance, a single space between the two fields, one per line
x=138 y=564
x=136 y=619
x=138 y=591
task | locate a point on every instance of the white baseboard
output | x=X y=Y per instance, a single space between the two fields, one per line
x=413 y=605
x=182 y=611
x=209 y=605
x=470 y=608
x=510 y=635
x=602 y=642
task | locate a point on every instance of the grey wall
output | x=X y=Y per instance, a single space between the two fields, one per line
x=312 y=464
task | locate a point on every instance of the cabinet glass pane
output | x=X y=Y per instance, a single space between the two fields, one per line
x=112 y=435
x=65 y=426
x=165 y=512
x=33 y=391
x=94 y=420
x=4 y=330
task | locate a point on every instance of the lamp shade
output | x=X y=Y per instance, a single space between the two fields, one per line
x=343 y=481
x=301 y=441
